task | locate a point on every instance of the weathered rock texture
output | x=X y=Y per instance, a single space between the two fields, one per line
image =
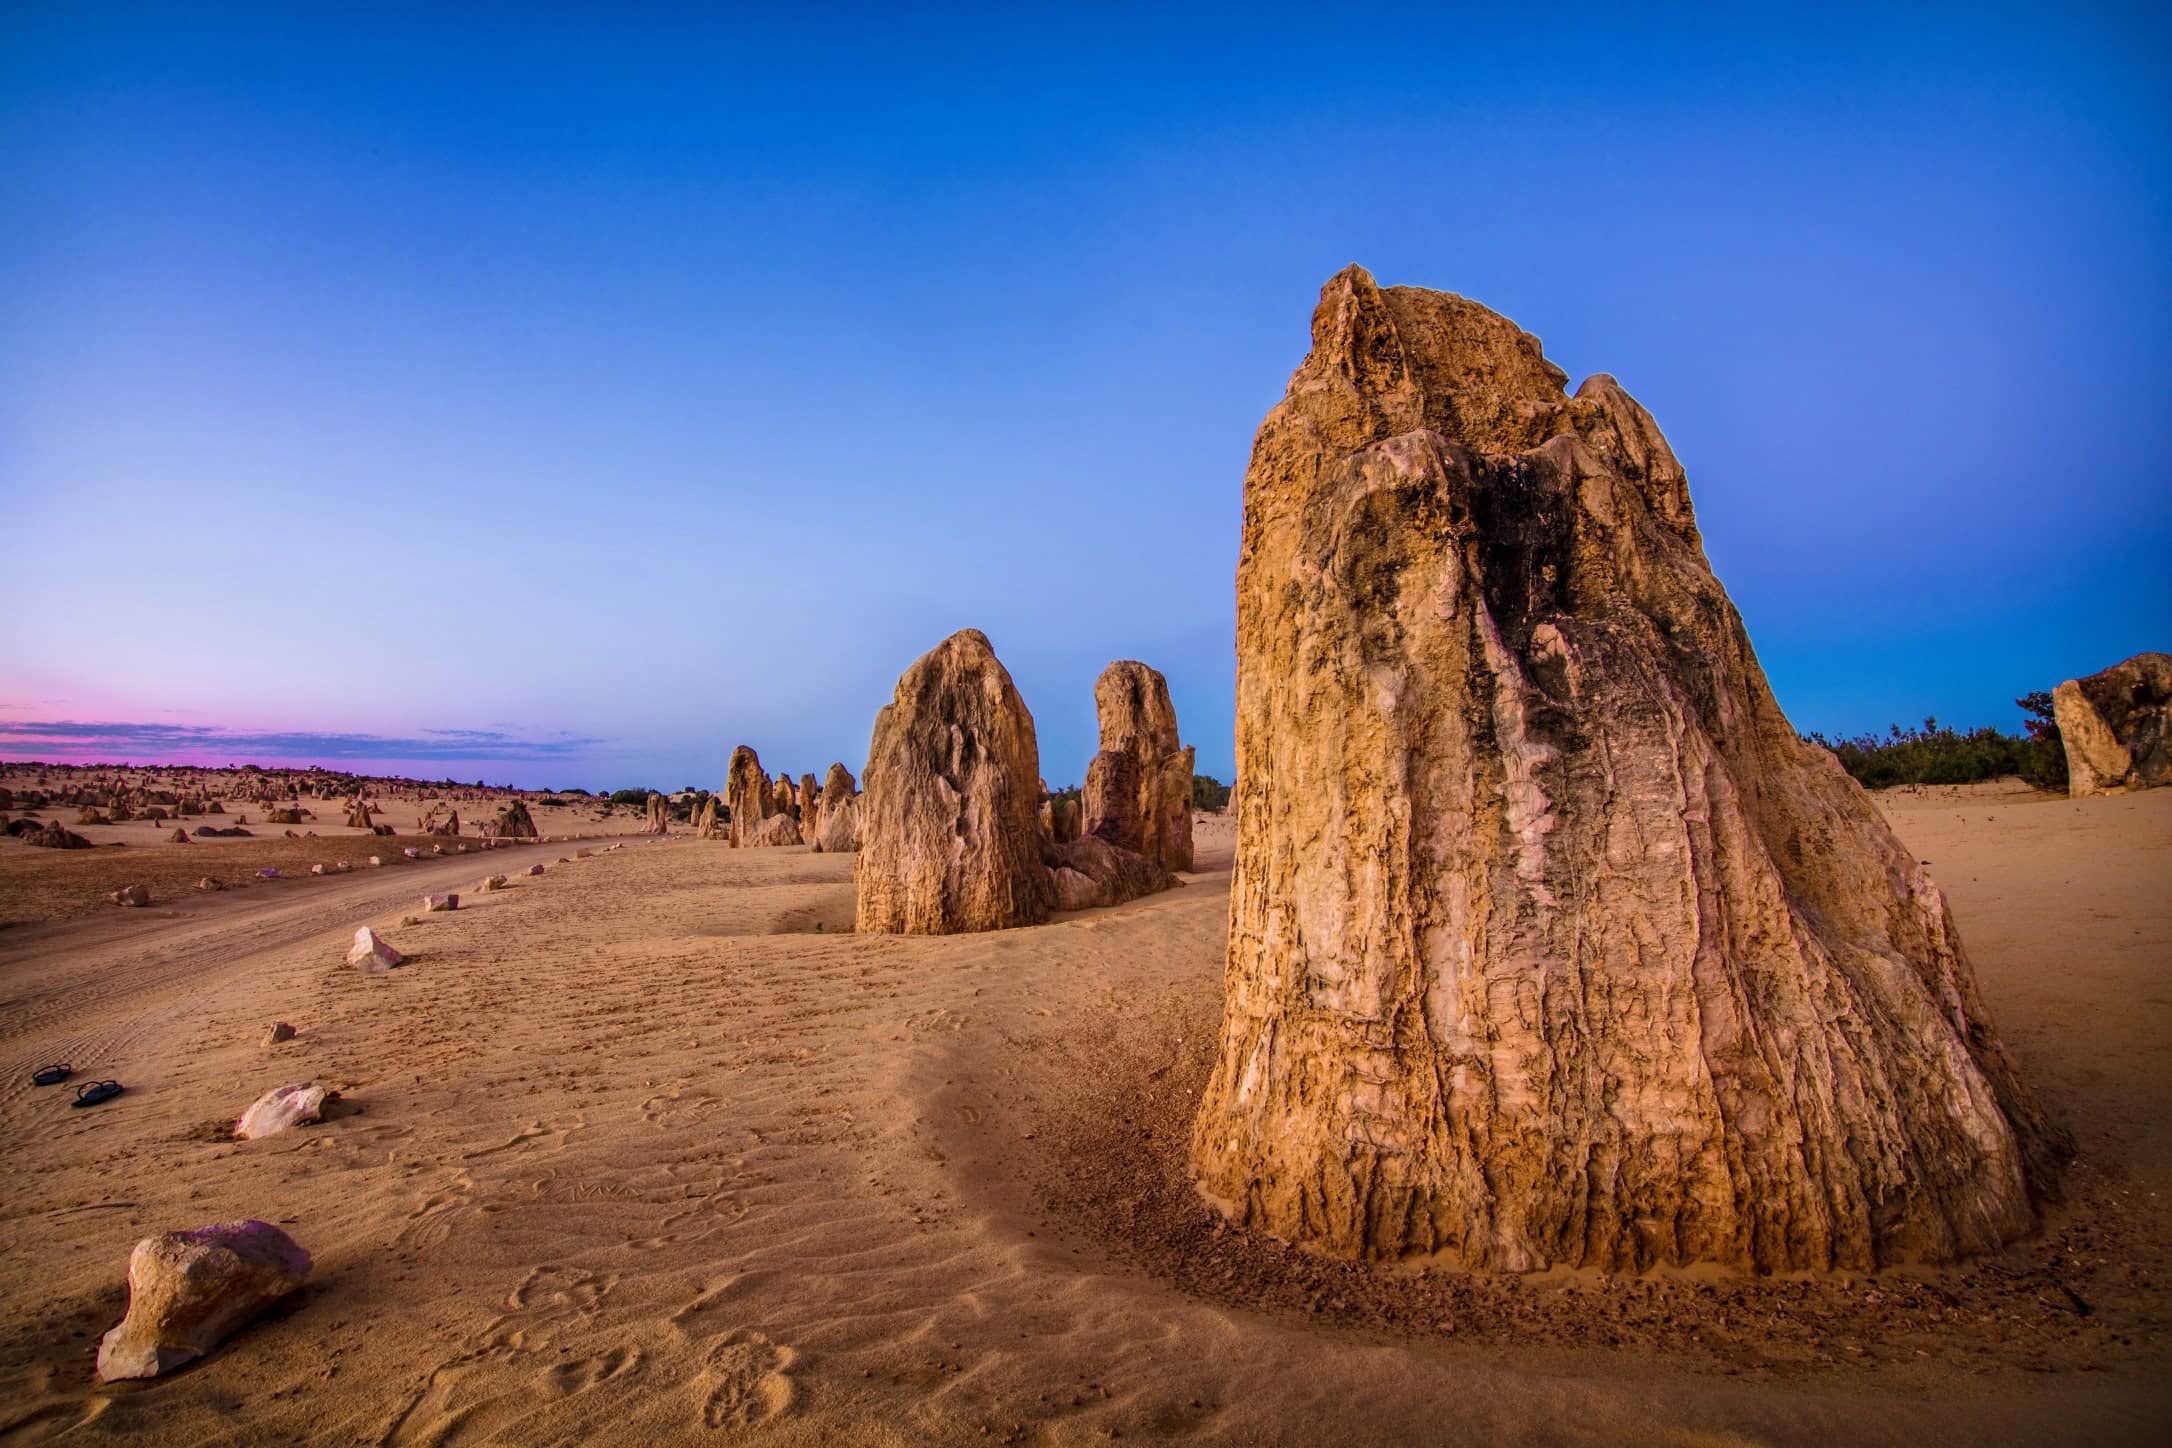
x=837 y=786
x=705 y=824
x=778 y=829
x=1139 y=787
x=836 y=813
x=358 y=815
x=189 y=1291
x=50 y=836
x=2117 y=726
x=659 y=815
x=515 y=823
x=282 y=1108
x=1550 y=942
x=746 y=795
x=950 y=839
x=1091 y=872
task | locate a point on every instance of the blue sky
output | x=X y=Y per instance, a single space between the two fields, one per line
x=595 y=389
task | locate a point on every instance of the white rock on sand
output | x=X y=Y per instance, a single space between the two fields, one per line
x=372 y=953
x=281 y=1108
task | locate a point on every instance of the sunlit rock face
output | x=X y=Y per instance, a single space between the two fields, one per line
x=950 y=834
x=1551 y=943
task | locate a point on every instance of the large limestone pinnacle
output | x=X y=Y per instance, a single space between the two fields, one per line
x=1139 y=787
x=950 y=823
x=1551 y=943
x=746 y=796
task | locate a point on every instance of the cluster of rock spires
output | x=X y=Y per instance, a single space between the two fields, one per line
x=1551 y=942
x=762 y=811
x=2117 y=726
x=953 y=837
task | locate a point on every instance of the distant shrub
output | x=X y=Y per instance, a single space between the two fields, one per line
x=1209 y=793
x=1937 y=753
x=636 y=797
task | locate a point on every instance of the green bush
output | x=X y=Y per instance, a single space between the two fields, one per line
x=1937 y=753
x=1209 y=793
x=638 y=798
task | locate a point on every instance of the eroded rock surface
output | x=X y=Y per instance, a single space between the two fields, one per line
x=1139 y=787
x=778 y=829
x=2117 y=726
x=515 y=823
x=746 y=795
x=1551 y=943
x=189 y=1291
x=950 y=834
x=283 y=1108
x=1090 y=872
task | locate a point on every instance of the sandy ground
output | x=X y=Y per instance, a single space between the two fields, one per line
x=42 y=885
x=651 y=1147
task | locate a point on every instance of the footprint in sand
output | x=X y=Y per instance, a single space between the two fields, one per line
x=581 y=1374
x=477 y=1395
x=745 y=1379
x=678 y=1107
x=437 y=1215
x=552 y=1292
x=533 y=1131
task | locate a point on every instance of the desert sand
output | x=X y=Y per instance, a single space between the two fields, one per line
x=652 y=1145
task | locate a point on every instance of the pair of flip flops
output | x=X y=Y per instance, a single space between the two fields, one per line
x=90 y=1093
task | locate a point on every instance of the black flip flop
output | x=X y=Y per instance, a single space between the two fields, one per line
x=91 y=1093
x=51 y=1075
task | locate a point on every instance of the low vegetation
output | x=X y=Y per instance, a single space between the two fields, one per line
x=1209 y=793
x=1936 y=753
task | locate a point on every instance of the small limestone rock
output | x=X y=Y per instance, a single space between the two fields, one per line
x=133 y=896
x=535 y=869
x=316 y=869
x=490 y=883
x=440 y=902
x=411 y=852
x=280 y=1031
x=283 y=1107
x=778 y=829
x=374 y=863
x=267 y=874
x=209 y=883
x=372 y=952
x=188 y=1291
x=179 y=837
